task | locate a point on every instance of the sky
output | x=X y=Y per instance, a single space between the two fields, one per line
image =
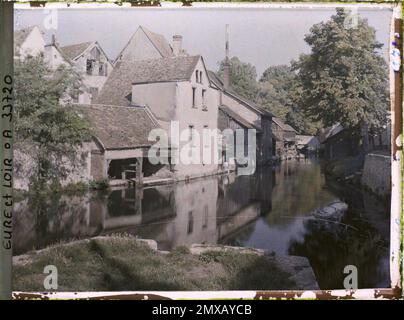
x=260 y=36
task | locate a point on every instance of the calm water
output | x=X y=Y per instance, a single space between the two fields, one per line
x=270 y=210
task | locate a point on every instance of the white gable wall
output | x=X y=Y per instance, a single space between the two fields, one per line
x=139 y=47
x=33 y=45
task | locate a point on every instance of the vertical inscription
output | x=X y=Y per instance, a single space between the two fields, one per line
x=7 y=160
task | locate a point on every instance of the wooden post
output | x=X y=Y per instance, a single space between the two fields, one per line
x=139 y=171
x=6 y=142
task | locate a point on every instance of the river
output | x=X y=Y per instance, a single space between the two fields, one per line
x=271 y=209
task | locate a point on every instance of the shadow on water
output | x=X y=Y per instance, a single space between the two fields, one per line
x=270 y=210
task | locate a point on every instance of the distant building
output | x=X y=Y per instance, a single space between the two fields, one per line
x=284 y=143
x=145 y=45
x=248 y=115
x=28 y=41
x=307 y=143
x=338 y=142
x=92 y=62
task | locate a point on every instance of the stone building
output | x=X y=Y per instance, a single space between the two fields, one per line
x=174 y=89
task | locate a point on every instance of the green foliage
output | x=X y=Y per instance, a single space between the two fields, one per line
x=45 y=119
x=243 y=78
x=276 y=91
x=99 y=185
x=344 y=78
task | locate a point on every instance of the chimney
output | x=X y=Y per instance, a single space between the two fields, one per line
x=226 y=65
x=177 y=44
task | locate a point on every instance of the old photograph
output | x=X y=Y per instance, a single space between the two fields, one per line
x=202 y=148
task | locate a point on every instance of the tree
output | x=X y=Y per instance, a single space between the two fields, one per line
x=279 y=92
x=43 y=121
x=275 y=85
x=243 y=78
x=344 y=78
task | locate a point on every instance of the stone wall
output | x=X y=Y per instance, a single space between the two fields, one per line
x=377 y=173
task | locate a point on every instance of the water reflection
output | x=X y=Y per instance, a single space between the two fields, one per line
x=269 y=210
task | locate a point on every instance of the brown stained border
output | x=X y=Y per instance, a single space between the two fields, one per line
x=397 y=129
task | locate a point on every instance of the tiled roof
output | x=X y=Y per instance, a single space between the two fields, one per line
x=283 y=125
x=119 y=127
x=230 y=91
x=159 y=42
x=72 y=51
x=330 y=132
x=236 y=117
x=118 y=87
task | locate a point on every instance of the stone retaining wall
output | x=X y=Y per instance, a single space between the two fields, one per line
x=377 y=173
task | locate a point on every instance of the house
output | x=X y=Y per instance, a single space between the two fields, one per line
x=246 y=114
x=54 y=55
x=28 y=41
x=92 y=62
x=145 y=44
x=284 y=143
x=175 y=89
x=337 y=142
x=307 y=144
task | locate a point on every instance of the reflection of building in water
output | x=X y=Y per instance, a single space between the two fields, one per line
x=201 y=211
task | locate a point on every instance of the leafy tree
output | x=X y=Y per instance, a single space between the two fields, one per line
x=243 y=78
x=275 y=88
x=344 y=78
x=45 y=119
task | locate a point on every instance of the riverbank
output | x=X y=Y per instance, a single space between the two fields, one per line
x=371 y=173
x=125 y=263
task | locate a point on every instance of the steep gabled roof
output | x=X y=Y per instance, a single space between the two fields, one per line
x=283 y=125
x=119 y=127
x=74 y=50
x=215 y=79
x=236 y=117
x=159 y=42
x=118 y=87
x=330 y=132
x=21 y=35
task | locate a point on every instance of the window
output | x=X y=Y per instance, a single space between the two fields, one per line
x=193 y=97
x=190 y=222
x=102 y=71
x=200 y=77
x=197 y=76
x=90 y=66
x=204 y=106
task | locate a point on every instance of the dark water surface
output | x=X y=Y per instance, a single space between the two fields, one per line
x=269 y=210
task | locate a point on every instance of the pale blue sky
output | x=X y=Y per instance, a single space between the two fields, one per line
x=262 y=37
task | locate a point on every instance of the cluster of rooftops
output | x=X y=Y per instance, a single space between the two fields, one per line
x=164 y=63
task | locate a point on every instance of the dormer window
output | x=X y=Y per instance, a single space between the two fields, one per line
x=197 y=76
x=200 y=76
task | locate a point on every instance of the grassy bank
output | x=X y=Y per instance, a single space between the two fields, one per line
x=121 y=263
